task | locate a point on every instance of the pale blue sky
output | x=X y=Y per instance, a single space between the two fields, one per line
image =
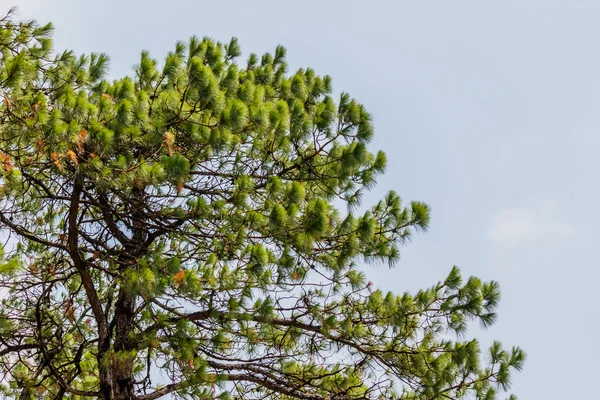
x=489 y=112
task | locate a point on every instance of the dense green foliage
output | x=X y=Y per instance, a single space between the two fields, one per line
x=175 y=232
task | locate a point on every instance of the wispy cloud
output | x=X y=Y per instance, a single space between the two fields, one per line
x=540 y=220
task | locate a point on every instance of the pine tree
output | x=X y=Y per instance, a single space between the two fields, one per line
x=175 y=232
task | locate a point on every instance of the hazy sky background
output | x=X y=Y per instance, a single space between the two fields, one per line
x=488 y=111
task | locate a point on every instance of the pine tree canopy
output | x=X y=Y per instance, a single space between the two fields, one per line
x=177 y=233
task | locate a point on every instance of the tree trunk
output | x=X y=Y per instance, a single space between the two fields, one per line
x=124 y=345
x=106 y=387
x=117 y=383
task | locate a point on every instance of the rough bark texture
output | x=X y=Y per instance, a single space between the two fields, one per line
x=123 y=373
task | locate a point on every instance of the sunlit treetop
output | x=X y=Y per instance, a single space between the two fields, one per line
x=179 y=231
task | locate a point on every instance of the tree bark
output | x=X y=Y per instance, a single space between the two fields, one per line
x=124 y=344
